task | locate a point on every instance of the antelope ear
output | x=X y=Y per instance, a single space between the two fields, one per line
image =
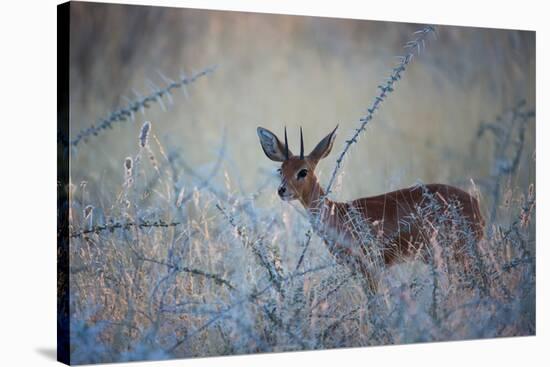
x=271 y=145
x=324 y=147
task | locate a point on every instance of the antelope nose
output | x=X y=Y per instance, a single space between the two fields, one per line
x=281 y=190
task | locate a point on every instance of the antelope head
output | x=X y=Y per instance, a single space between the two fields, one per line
x=297 y=172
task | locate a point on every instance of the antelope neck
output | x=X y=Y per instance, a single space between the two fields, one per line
x=312 y=202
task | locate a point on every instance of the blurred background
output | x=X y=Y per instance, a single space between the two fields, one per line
x=277 y=70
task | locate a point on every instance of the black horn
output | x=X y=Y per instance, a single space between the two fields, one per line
x=286 y=145
x=301 y=144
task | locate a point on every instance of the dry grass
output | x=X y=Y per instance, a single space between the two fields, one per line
x=181 y=248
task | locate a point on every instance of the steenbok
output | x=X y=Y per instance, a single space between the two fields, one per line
x=400 y=224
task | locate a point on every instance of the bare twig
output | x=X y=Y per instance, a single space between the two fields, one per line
x=306 y=245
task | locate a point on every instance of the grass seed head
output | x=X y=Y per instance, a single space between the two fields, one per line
x=144 y=134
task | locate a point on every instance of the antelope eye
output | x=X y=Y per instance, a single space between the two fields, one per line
x=302 y=173
x=279 y=171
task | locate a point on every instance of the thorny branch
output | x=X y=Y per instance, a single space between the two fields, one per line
x=184 y=269
x=134 y=106
x=413 y=47
x=123 y=225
